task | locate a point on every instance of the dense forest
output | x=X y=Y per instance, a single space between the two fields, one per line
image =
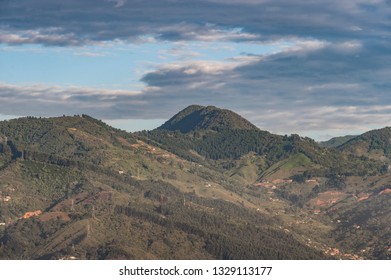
x=232 y=144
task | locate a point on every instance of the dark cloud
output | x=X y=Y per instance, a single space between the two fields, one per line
x=55 y=22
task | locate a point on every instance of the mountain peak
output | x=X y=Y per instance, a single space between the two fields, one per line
x=196 y=117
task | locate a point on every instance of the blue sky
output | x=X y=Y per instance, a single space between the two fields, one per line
x=116 y=65
x=318 y=68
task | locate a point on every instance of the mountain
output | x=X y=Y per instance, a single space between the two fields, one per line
x=374 y=144
x=336 y=141
x=220 y=138
x=74 y=187
x=195 y=117
x=72 y=137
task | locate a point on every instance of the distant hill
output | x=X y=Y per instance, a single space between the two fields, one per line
x=60 y=135
x=375 y=144
x=336 y=141
x=195 y=117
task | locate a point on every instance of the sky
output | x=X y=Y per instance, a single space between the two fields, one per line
x=318 y=68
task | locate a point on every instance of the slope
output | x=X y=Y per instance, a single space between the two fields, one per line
x=73 y=187
x=375 y=144
x=224 y=143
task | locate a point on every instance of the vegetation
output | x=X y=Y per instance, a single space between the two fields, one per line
x=232 y=144
x=206 y=185
x=336 y=141
x=197 y=117
x=370 y=142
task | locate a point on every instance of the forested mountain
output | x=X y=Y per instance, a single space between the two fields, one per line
x=70 y=137
x=222 y=142
x=375 y=143
x=197 y=117
x=205 y=185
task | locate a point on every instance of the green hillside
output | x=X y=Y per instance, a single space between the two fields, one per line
x=74 y=187
x=96 y=188
x=375 y=144
x=220 y=145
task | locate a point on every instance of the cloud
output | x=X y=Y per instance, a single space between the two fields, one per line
x=49 y=36
x=118 y=3
x=199 y=67
x=46 y=100
x=89 y=54
x=49 y=22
